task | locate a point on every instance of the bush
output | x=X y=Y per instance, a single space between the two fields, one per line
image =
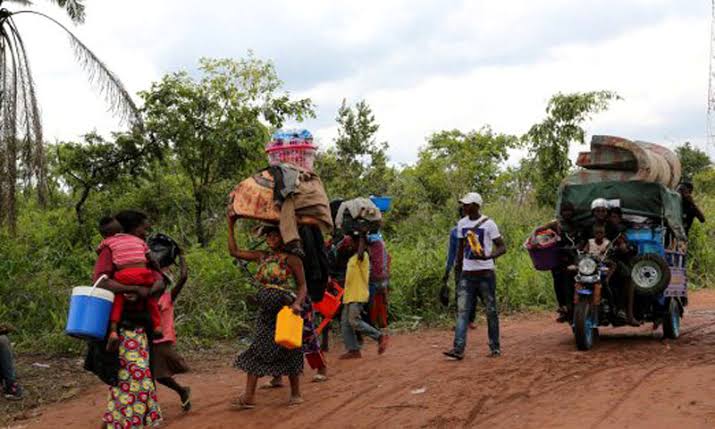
x=41 y=265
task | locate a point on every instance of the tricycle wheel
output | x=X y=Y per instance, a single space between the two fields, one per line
x=671 y=322
x=650 y=274
x=584 y=331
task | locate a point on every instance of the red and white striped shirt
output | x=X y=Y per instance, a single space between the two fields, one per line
x=126 y=249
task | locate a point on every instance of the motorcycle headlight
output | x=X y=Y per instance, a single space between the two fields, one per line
x=587 y=266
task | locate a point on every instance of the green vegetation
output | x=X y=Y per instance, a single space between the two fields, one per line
x=201 y=135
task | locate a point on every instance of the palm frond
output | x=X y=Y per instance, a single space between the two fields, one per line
x=25 y=3
x=9 y=89
x=74 y=8
x=34 y=161
x=101 y=77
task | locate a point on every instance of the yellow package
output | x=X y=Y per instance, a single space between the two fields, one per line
x=473 y=241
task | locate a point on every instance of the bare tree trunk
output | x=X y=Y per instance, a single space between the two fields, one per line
x=79 y=211
x=41 y=174
x=198 y=218
x=79 y=206
x=3 y=180
x=11 y=186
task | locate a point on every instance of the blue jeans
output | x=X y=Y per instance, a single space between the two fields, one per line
x=351 y=321
x=471 y=287
x=7 y=365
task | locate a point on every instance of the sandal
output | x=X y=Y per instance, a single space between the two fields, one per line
x=241 y=404
x=186 y=400
x=294 y=401
x=275 y=383
x=320 y=378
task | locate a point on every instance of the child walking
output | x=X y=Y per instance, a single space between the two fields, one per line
x=357 y=294
x=167 y=361
x=131 y=257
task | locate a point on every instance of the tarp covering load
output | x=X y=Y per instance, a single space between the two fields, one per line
x=618 y=159
x=647 y=199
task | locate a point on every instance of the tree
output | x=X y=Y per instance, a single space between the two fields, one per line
x=21 y=140
x=96 y=164
x=550 y=139
x=692 y=160
x=357 y=164
x=216 y=126
x=455 y=162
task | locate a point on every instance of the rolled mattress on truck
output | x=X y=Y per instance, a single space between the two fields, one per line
x=618 y=159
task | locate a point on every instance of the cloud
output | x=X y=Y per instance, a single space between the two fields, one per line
x=422 y=65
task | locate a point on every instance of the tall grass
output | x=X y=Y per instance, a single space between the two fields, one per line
x=39 y=268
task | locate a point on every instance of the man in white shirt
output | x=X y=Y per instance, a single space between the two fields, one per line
x=480 y=243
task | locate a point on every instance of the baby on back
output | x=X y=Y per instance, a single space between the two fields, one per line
x=130 y=256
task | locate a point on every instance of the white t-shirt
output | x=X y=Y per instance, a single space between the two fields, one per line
x=597 y=250
x=487 y=232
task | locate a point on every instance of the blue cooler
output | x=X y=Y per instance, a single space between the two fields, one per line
x=89 y=312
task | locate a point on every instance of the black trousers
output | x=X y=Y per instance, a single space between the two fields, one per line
x=563 y=286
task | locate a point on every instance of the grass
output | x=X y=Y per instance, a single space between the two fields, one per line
x=40 y=267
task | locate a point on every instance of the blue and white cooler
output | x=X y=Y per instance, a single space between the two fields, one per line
x=89 y=311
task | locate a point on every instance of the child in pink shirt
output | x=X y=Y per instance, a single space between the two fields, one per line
x=130 y=257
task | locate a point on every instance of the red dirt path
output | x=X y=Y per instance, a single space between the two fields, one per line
x=631 y=379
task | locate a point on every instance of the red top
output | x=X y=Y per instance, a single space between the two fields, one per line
x=379 y=261
x=166 y=308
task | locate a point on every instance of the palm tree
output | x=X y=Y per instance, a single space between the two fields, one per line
x=21 y=141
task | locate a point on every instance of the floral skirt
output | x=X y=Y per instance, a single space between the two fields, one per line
x=264 y=357
x=311 y=341
x=132 y=402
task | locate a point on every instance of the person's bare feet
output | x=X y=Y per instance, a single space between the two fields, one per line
x=472 y=325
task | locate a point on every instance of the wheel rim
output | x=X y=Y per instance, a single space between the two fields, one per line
x=646 y=275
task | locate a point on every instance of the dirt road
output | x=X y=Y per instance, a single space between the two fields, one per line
x=632 y=379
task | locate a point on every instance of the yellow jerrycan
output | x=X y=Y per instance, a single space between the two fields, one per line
x=289 y=329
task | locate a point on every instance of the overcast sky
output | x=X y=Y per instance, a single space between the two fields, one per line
x=423 y=66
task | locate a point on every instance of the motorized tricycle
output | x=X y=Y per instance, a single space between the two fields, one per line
x=656 y=269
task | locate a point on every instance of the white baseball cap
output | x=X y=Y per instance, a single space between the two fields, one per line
x=599 y=203
x=472 y=198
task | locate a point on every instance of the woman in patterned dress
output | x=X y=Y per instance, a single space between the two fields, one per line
x=283 y=280
x=132 y=401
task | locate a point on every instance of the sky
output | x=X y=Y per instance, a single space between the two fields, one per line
x=423 y=66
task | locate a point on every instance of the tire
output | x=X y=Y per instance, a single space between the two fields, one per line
x=583 y=326
x=671 y=320
x=650 y=274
